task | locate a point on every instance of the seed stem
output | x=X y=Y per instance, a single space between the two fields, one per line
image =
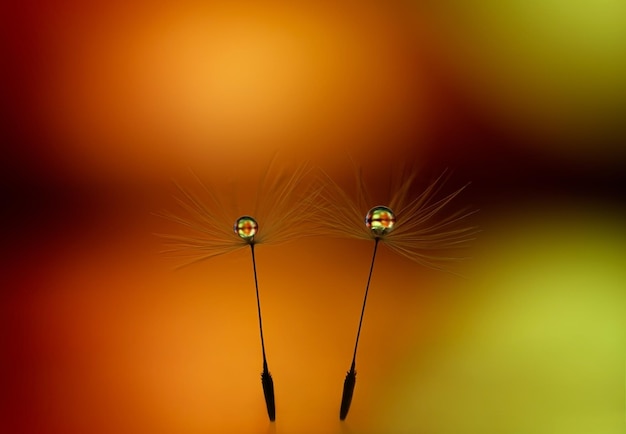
x=258 y=303
x=350 y=381
x=266 y=378
x=369 y=279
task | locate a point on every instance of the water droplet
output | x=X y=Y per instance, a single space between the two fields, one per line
x=246 y=227
x=380 y=220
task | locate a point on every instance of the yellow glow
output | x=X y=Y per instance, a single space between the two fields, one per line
x=538 y=342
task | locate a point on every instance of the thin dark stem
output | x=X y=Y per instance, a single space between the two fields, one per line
x=369 y=278
x=258 y=305
x=350 y=381
x=266 y=378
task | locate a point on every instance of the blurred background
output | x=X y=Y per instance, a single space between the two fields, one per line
x=104 y=103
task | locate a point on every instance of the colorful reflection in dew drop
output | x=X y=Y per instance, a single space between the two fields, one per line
x=246 y=227
x=380 y=220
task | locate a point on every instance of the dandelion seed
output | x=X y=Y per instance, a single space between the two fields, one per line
x=284 y=213
x=421 y=231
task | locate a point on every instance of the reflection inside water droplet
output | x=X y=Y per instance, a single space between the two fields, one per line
x=380 y=220
x=246 y=227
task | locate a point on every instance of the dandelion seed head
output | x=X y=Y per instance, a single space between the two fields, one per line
x=282 y=204
x=246 y=227
x=380 y=220
x=417 y=222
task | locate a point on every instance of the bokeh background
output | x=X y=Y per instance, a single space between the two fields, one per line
x=104 y=103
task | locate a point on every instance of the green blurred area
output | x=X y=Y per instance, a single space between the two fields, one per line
x=554 y=71
x=540 y=337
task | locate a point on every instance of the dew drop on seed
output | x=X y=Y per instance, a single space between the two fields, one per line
x=380 y=220
x=246 y=227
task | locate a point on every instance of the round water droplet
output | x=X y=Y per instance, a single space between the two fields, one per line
x=246 y=227
x=380 y=220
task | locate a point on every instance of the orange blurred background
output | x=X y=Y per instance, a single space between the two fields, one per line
x=107 y=102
